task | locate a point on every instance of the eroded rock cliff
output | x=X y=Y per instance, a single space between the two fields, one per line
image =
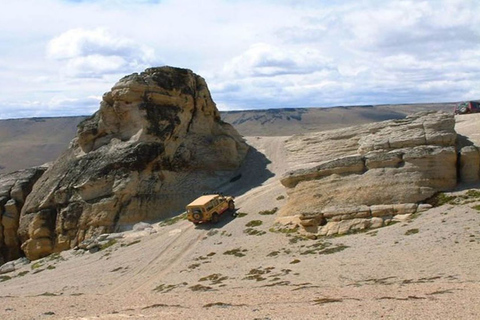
x=156 y=142
x=364 y=176
x=14 y=188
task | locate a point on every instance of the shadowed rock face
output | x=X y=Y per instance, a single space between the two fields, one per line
x=155 y=144
x=363 y=176
x=14 y=188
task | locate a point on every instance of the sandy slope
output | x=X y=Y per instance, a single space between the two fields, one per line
x=425 y=268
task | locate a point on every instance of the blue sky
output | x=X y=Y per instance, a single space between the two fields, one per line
x=58 y=57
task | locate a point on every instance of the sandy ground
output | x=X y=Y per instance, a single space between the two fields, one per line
x=425 y=268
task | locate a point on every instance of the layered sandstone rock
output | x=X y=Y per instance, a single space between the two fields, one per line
x=14 y=188
x=155 y=144
x=363 y=176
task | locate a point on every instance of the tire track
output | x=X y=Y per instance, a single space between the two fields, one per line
x=169 y=255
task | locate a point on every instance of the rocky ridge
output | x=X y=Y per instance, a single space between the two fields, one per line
x=156 y=142
x=365 y=176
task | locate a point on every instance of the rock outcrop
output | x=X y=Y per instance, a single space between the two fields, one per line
x=14 y=188
x=155 y=144
x=364 y=176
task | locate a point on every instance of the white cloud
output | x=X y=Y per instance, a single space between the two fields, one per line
x=96 y=52
x=253 y=54
x=264 y=60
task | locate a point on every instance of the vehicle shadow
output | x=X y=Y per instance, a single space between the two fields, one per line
x=225 y=219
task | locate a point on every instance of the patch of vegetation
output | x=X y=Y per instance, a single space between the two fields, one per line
x=316 y=247
x=238 y=252
x=473 y=193
x=50 y=267
x=55 y=256
x=258 y=273
x=173 y=220
x=268 y=212
x=297 y=238
x=281 y=229
x=219 y=304
x=241 y=214
x=278 y=283
x=441 y=199
x=36 y=265
x=48 y=294
x=326 y=300
x=332 y=250
x=273 y=254
x=254 y=232
x=411 y=231
x=108 y=244
x=254 y=223
x=211 y=254
x=477 y=207
x=163 y=288
x=194 y=266
x=295 y=261
x=199 y=287
x=212 y=232
x=117 y=269
x=21 y=274
x=281 y=197
x=215 y=278
x=225 y=234
x=373 y=233
x=5 y=278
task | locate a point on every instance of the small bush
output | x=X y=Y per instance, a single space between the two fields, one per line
x=241 y=214
x=199 y=287
x=473 y=193
x=254 y=232
x=5 y=278
x=281 y=197
x=411 y=231
x=268 y=212
x=238 y=252
x=254 y=223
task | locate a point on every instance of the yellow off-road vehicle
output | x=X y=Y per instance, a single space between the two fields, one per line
x=209 y=208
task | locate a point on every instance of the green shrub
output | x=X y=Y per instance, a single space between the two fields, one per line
x=254 y=223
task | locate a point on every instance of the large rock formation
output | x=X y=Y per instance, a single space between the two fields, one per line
x=14 y=188
x=155 y=144
x=363 y=176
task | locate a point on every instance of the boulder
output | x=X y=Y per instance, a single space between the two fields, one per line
x=373 y=171
x=155 y=144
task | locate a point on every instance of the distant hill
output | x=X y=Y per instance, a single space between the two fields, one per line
x=33 y=141
x=279 y=122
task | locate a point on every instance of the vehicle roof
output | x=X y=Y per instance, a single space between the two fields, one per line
x=200 y=201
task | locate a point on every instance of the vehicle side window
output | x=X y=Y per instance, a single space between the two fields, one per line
x=210 y=206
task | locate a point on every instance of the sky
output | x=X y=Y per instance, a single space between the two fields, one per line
x=58 y=57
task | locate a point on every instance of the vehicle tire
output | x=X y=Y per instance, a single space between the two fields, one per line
x=231 y=205
x=197 y=216
x=215 y=218
x=462 y=109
